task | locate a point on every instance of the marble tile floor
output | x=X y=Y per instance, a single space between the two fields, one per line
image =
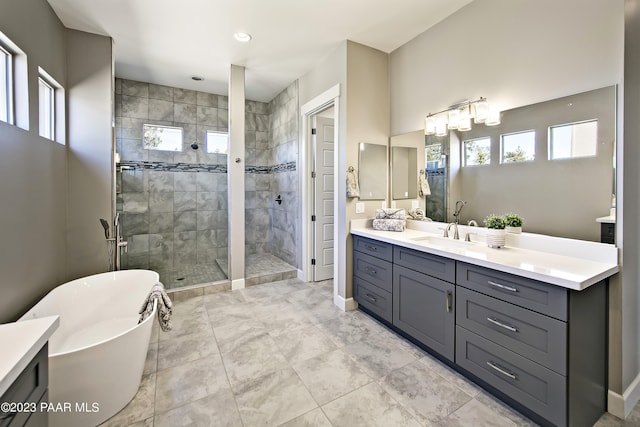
x=281 y=354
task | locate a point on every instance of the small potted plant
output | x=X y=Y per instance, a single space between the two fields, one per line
x=513 y=223
x=496 y=235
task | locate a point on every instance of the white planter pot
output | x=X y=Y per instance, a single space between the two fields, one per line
x=514 y=230
x=496 y=238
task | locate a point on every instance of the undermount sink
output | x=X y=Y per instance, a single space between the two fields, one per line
x=442 y=242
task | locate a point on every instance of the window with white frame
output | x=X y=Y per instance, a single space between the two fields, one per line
x=163 y=138
x=6 y=85
x=477 y=151
x=51 y=109
x=573 y=140
x=46 y=109
x=217 y=142
x=518 y=147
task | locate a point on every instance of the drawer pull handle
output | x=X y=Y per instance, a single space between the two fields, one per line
x=371 y=248
x=371 y=270
x=448 y=301
x=503 y=371
x=503 y=287
x=372 y=299
x=502 y=325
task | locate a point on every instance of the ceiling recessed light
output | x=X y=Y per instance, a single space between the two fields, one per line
x=197 y=78
x=242 y=37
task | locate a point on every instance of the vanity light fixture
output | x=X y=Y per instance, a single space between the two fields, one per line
x=242 y=37
x=459 y=117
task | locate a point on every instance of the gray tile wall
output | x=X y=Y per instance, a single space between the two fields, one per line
x=170 y=219
x=285 y=227
x=175 y=218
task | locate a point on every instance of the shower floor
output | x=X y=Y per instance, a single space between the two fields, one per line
x=263 y=268
x=190 y=275
x=259 y=268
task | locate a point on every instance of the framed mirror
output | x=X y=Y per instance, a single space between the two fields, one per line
x=372 y=166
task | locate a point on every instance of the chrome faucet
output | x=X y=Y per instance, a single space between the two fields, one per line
x=455 y=231
x=119 y=242
x=471 y=223
x=456 y=213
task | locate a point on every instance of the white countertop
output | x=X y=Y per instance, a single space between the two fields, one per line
x=569 y=263
x=607 y=219
x=21 y=341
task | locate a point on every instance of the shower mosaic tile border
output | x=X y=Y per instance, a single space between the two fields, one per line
x=198 y=167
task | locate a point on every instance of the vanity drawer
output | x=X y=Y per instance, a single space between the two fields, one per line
x=534 y=386
x=373 y=270
x=537 y=337
x=373 y=298
x=374 y=248
x=537 y=296
x=422 y=262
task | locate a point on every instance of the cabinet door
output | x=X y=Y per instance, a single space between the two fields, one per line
x=423 y=307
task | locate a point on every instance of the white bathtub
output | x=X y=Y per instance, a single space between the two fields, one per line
x=97 y=355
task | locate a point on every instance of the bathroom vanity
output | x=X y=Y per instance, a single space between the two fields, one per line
x=527 y=325
x=24 y=373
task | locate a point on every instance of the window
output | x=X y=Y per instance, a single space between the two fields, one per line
x=518 y=147
x=217 y=142
x=477 y=152
x=6 y=85
x=50 y=108
x=164 y=138
x=573 y=140
x=47 y=111
x=433 y=155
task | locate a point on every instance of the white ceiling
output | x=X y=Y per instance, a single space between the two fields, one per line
x=166 y=42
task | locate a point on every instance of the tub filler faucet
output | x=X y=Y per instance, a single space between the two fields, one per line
x=119 y=242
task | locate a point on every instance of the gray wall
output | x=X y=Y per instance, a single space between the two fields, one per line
x=90 y=150
x=45 y=247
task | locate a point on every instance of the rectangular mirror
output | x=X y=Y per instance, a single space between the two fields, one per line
x=404 y=173
x=372 y=167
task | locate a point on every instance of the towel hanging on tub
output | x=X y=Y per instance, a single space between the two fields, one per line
x=165 y=307
x=423 y=184
x=353 y=189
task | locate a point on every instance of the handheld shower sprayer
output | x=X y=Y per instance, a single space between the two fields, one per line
x=456 y=213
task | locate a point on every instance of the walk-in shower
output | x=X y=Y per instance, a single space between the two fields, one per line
x=173 y=202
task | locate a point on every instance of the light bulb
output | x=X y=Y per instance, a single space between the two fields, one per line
x=429 y=125
x=482 y=110
x=464 y=122
x=454 y=118
x=441 y=126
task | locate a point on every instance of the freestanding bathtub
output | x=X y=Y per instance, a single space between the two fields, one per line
x=97 y=355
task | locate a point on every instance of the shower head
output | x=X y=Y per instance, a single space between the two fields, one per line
x=105 y=225
x=194 y=145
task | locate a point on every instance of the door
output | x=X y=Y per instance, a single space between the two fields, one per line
x=322 y=176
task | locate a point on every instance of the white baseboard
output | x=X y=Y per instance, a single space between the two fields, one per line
x=348 y=304
x=622 y=405
x=237 y=284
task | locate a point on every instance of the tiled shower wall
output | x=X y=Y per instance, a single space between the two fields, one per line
x=171 y=215
x=174 y=216
x=285 y=217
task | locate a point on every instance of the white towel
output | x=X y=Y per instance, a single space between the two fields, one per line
x=423 y=184
x=353 y=189
x=389 y=224
x=165 y=307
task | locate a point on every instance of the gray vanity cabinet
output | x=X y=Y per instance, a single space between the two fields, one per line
x=541 y=348
x=423 y=304
x=372 y=275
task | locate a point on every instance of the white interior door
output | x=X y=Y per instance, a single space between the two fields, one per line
x=322 y=176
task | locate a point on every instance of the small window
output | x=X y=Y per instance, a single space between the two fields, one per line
x=217 y=142
x=6 y=86
x=433 y=155
x=573 y=140
x=518 y=147
x=47 y=110
x=163 y=138
x=477 y=152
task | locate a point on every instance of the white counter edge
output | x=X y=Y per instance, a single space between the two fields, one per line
x=607 y=252
x=34 y=334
